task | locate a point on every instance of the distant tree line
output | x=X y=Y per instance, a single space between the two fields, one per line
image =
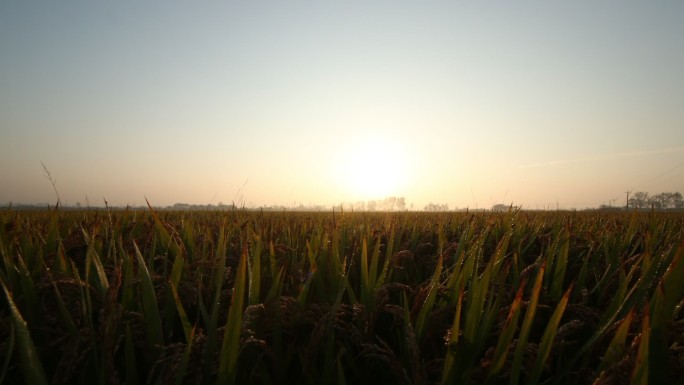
x=436 y=207
x=504 y=207
x=665 y=200
x=387 y=204
x=390 y=204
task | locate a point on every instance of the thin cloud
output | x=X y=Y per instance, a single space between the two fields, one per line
x=618 y=155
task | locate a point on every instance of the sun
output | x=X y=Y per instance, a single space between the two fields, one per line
x=370 y=168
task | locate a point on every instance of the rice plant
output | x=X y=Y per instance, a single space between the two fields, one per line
x=137 y=297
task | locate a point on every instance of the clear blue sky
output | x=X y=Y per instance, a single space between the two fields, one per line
x=465 y=103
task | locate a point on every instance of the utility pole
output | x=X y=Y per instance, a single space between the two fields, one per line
x=627 y=205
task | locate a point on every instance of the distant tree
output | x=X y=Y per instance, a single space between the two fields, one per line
x=639 y=200
x=388 y=203
x=659 y=201
x=654 y=202
x=662 y=201
x=500 y=207
x=436 y=207
x=401 y=204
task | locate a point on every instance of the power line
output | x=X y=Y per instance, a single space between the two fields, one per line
x=650 y=181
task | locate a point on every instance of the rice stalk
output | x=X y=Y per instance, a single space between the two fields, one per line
x=617 y=347
x=507 y=333
x=641 y=367
x=30 y=361
x=547 y=339
x=149 y=302
x=230 y=347
x=9 y=350
x=526 y=326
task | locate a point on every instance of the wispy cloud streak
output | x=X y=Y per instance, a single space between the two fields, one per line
x=617 y=155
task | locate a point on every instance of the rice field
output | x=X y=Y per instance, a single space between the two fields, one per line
x=238 y=297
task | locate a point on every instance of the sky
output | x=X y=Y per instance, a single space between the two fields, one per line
x=470 y=104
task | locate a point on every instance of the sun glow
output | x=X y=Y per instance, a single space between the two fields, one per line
x=371 y=168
